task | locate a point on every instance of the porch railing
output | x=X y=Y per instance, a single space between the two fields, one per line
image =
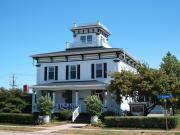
x=60 y=106
x=115 y=107
x=76 y=109
x=75 y=113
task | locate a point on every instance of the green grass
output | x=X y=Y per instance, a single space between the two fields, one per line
x=20 y=128
x=87 y=132
x=178 y=120
x=105 y=132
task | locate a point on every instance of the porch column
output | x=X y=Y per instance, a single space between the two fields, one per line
x=53 y=100
x=105 y=100
x=77 y=97
x=33 y=101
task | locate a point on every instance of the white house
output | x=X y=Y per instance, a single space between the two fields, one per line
x=69 y=76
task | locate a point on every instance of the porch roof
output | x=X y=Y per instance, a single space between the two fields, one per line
x=72 y=85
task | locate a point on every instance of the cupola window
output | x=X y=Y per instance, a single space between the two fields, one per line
x=89 y=39
x=83 y=39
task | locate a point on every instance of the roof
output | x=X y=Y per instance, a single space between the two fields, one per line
x=91 y=25
x=76 y=51
x=79 y=51
x=71 y=85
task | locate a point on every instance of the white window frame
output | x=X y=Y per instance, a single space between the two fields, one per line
x=48 y=72
x=70 y=72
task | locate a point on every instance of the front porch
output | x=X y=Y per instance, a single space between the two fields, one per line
x=70 y=95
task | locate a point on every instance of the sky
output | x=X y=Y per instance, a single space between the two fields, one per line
x=146 y=29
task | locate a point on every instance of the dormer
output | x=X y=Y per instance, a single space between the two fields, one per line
x=89 y=35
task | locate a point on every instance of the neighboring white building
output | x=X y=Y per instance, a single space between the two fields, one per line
x=69 y=76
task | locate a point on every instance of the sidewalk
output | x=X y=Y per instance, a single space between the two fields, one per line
x=61 y=127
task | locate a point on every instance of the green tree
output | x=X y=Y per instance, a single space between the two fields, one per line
x=94 y=105
x=12 y=101
x=45 y=105
x=150 y=83
x=170 y=65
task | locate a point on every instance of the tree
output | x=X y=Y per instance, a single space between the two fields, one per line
x=94 y=105
x=45 y=105
x=150 y=83
x=170 y=65
x=12 y=101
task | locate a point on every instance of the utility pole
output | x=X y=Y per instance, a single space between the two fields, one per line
x=13 y=82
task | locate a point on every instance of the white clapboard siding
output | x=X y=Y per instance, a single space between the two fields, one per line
x=91 y=57
x=108 y=55
x=57 y=59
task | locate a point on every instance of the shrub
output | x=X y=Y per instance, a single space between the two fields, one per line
x=107 y=113
x=45 y=105
x=65 y=114
x=94 y=105
x=16 y=111
x=17 y=118
x=140 y=122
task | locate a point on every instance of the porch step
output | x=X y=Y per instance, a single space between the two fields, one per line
x=83 y=118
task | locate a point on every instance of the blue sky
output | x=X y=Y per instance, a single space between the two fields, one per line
x=147 y=29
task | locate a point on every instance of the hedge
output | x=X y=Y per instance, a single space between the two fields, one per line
x=17 y=118
x=140 y=122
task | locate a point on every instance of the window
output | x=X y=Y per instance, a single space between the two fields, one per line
x=99 y=70
x=89 y=39
x=83 y=39
x=73 y=72
x=51 y=73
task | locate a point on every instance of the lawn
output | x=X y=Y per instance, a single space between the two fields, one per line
x=178 y=122
x=20 y=128
x=29 y=128
x=106 y=132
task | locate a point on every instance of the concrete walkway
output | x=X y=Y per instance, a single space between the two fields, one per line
x=44 y=131
x=61 y=127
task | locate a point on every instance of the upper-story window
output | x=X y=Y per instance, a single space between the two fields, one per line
x=99 y=70
x=83 y=39
x=89 y=39
x=72 y=72
x=51 y=73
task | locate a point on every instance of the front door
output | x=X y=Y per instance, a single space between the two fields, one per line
x=82 y=98
x=67 y=95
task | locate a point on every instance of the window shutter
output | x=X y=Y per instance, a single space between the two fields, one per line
x=78 y=71
x=105 y=70
x=56 y=72
x=45 y=73
x=67 y=72
x=92 y=71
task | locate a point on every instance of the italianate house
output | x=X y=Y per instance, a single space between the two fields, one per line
x=82 y=69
